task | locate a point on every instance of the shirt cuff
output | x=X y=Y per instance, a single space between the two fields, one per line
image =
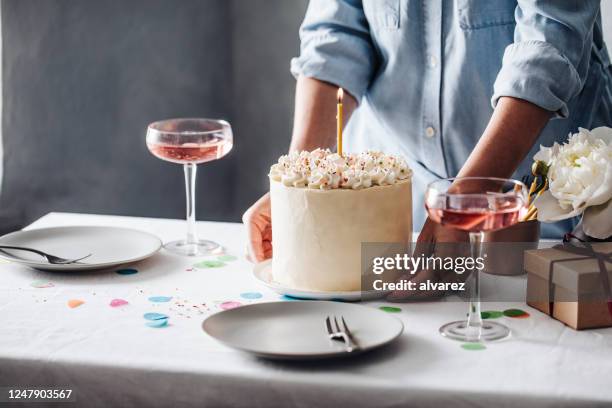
x=537 y=72
x=335 y=59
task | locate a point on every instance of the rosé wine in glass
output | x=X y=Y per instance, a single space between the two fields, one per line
x=478 y=219
x=190 y=142
x=475 y=205
x=207 y=150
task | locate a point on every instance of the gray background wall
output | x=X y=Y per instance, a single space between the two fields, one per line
x=83 y=78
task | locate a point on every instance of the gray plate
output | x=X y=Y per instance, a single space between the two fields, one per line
x=109 y=246
x=296 y=330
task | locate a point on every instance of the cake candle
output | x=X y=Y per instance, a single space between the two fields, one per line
x=339 y=121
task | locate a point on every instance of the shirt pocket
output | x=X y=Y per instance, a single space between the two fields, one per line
x=477 y=14
x=382 y=14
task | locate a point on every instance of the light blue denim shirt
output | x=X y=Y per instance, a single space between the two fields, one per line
x=428 y=73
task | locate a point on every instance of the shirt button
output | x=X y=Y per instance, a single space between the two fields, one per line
x=430 y=132
x=432 y=61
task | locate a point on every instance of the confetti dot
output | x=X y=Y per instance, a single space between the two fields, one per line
x=226 y=258
x=157 y=324
x=491 y=314
x=41 y=284
x=251 y=295
x=160 y=299
x=516 y=313
x=473 y=346
x=118 y=302
x=72 y=303
x=229 y=305
x=128 y=271
x=390 y=309
x=155 y=316
x=209 y=264
x=289 y=298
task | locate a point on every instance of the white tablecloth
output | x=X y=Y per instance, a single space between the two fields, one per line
x=111 y=358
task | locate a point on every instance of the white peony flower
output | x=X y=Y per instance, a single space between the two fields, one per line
x=579 y=177
x=546 y=154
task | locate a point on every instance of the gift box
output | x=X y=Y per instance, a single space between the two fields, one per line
x=571 y=283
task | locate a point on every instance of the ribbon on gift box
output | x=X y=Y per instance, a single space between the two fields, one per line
x=586 y=252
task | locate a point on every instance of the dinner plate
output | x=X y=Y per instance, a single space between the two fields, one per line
x=297 y=330
x=263 y=273
x=108 y=246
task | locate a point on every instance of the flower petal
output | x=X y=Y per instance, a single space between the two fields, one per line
x=597 y=221
x=604 y=133
x=549 y=209
x=544 y=155
x=603 y=193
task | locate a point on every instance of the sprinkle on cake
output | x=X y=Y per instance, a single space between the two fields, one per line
x=322 y=169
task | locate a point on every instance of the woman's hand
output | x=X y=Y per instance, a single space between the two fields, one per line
x=258 y=221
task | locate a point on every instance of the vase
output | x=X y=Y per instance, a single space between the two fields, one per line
x=505 y=247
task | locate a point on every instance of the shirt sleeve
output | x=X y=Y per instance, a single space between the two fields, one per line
x=548 y=62
x=336 y=46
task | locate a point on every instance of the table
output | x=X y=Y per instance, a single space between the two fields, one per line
x=111 y=358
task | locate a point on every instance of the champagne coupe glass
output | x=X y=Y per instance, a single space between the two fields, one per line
x=190 y=142
x=475 y=205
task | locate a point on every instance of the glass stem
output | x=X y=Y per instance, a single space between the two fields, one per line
x=190 y=178
x=474 y=321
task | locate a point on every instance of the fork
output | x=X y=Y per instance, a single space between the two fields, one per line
x=341 y=333
x=52 y=259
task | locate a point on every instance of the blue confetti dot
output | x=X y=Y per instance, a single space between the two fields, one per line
x=128 y=271
x=160 y=299
x=251 y=295
x=158 y=323
x=289 y=298
x=155 y=316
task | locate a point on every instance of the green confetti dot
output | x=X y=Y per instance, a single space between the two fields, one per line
x=515 y=313
x=491 y=314
x=209 y=264
x=473 y=346
x=226 y=258
x=390 y=309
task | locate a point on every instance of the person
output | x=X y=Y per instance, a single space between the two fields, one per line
x=459 y=88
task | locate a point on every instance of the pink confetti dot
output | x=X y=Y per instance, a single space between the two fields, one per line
x=118 y=302
x=229 y=305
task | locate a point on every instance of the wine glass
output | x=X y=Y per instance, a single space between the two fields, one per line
x=476 y=205
x=190 y=142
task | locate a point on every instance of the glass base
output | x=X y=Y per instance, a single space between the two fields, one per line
x=490 y=331
x=201 y=248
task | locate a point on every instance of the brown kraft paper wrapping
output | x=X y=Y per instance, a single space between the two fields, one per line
x=576 y=296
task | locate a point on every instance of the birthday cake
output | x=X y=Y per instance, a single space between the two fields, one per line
x=324 y=206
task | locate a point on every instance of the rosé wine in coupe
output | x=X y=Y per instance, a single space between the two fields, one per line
x=475 y=220
x=212 y=148
x=190 y=141
x=476 y=205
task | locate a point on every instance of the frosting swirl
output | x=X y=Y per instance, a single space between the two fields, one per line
x=322 y=169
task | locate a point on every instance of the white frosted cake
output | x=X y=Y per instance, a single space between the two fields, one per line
x=324 y=206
